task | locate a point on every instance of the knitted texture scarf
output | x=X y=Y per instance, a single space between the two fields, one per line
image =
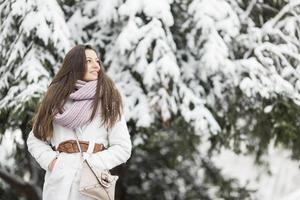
x=79 y=112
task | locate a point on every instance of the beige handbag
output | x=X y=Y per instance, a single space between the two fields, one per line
x=94 y=182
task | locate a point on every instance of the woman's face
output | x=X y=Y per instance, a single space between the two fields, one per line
x=92 y=65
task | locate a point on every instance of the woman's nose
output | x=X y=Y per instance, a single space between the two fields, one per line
x=96 y=65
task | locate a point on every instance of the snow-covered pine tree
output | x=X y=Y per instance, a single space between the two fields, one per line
x=265 y=104
x=142 y=56
x=34 y=37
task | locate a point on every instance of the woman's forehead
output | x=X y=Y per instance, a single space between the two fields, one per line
x=90 y=53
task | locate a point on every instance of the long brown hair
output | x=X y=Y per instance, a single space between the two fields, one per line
x=63 y=84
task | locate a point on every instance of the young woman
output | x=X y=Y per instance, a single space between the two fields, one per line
x=80 y=100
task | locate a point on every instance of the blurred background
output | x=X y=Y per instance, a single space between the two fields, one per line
x=211 y=91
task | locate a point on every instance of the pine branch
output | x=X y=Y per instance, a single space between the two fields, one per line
x=26 y=188
x=29 y=189
x=249 y=9
x=269 y=8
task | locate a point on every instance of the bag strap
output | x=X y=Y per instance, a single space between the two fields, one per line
x=77 y=141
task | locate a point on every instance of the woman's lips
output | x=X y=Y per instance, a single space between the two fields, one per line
x=94 y=72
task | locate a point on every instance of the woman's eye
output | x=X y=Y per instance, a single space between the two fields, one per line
x=88 y=61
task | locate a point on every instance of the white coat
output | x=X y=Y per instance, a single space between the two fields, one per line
x=62 y=182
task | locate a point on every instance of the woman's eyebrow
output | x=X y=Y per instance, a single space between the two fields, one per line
x=92 y=58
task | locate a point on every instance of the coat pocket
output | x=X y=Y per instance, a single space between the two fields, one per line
x=56 y=167
x=56 y=164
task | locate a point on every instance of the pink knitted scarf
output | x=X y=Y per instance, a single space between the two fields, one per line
x=79 y=112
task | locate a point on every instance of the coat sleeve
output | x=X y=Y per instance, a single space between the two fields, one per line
x=40 y=150
x=119 y=149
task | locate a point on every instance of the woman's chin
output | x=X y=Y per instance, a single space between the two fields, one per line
x=90 y=79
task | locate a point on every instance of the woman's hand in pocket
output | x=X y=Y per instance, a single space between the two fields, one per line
x=52 y=164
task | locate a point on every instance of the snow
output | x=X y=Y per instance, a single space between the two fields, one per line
x=8 y=147
x=48 y=11
x=280 y=183
x=268 y=109
x=159 y=9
